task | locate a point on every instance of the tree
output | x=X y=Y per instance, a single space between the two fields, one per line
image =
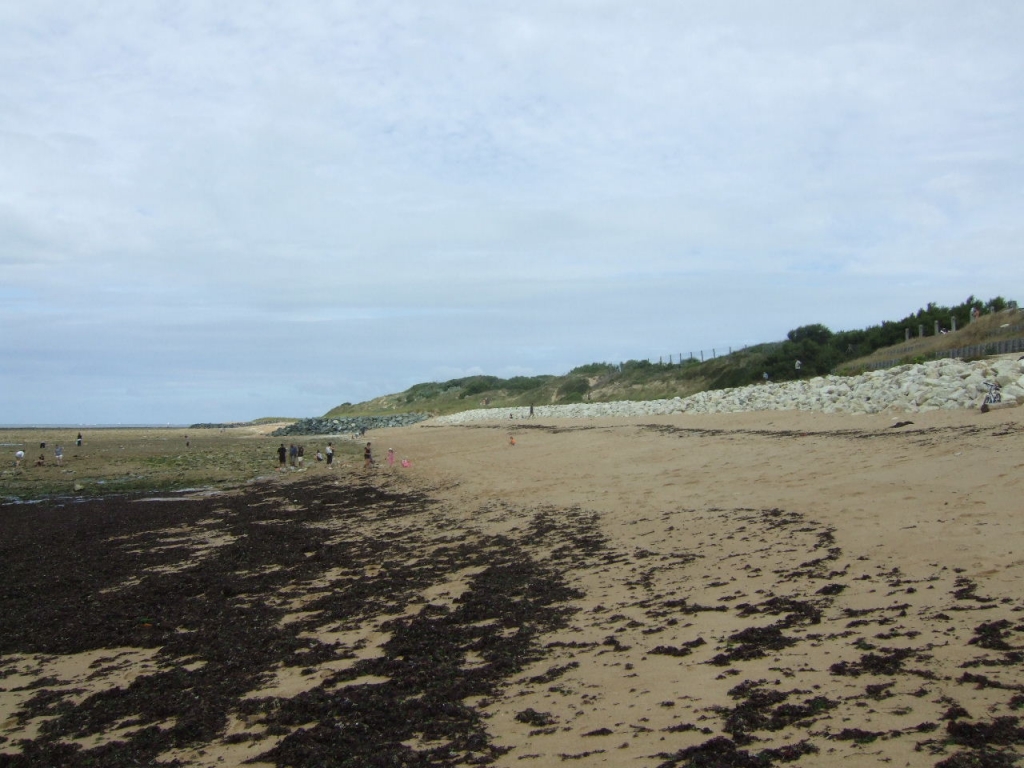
x=817 y=333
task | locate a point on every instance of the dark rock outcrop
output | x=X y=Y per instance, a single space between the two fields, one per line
x=346 y=426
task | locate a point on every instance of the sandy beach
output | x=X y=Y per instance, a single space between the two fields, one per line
x=743 y=589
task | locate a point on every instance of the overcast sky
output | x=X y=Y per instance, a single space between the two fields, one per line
x=222 y=211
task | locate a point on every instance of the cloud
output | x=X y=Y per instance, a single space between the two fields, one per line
x=373 y=194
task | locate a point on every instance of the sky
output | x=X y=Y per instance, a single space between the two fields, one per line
x=217 y=212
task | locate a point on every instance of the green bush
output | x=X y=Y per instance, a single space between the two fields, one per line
x=573 y=389
x=519 y=384
x=816 y=333
x=593 y=369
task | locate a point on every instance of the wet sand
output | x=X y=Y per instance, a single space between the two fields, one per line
x=746 y=589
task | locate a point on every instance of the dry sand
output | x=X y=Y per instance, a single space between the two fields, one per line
x=909 y=516
x=741 y=589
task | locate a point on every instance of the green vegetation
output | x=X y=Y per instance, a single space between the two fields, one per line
x=150 y=460
x=457 y=395
x=819 y=350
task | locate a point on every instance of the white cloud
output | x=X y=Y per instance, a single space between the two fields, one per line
x=385 y=191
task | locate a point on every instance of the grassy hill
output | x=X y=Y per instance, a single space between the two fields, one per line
x=816 y=347
x=987 y=331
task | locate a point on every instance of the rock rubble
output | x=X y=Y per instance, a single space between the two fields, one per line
x=907 y=388
x=349 y=425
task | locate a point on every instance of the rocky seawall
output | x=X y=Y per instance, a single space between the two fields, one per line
x=346 y=426
x=906 y=388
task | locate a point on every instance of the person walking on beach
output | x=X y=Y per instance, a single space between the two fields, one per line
x=300 y=455
x=391 y=457
x=78 y=440
x=282 y=455
x=367 y=457
x=330 y=455
x=58 y=454
x=293 y=454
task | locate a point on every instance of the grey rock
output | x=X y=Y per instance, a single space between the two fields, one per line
x=350 y=425
x=945 y=383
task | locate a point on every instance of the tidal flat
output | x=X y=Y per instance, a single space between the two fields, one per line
x=133 y=460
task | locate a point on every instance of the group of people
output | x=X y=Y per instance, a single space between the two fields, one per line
x=58 y=454
x=368 y=461
x=294 y=456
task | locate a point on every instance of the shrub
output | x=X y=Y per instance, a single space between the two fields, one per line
x=573 y=390
x=593 y=369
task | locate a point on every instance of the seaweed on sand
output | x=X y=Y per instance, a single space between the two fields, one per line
x=116 y=573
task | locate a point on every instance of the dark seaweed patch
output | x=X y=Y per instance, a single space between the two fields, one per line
x=887 y=662
x=722 y=752
x=764 y=709
x=531 y=716
x=553 y=673
x=684 y=650
x=992 y=635
x=111 y=581
x=1003 y=731
x=967 y=590
x=858 y=735
x=687 y=608
x=985 y=758
x=798 y=612
x=753 y=643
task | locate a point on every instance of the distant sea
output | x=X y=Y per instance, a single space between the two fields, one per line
x=94 y=426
